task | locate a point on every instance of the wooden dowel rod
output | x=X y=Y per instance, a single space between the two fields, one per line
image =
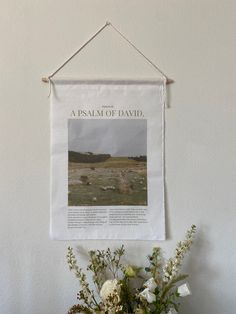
x=169 y=81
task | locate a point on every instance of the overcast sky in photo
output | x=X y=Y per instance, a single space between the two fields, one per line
x=118 y=137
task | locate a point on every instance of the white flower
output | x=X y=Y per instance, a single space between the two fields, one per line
x=172 y=311
x=150 y=284
x=148 y=295
x=108 y=288
x=184 y=290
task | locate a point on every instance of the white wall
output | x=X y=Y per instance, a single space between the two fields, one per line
x=194 y=42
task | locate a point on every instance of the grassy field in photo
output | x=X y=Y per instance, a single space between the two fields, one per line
x=114 y=181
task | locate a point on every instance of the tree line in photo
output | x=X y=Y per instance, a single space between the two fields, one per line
x=90 y=157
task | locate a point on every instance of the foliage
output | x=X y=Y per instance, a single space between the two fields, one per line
x=113 y=282
x=87 y=157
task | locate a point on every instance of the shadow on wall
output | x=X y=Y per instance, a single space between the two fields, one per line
x=168 y=96
x=167 y=216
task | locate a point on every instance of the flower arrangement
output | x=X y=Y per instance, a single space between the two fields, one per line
x=159 y=287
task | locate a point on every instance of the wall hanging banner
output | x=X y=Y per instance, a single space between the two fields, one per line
x=107 y=165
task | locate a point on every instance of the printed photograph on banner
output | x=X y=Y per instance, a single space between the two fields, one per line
x=107 y=162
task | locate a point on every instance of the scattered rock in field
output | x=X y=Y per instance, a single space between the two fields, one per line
x=144 y=188
x=84 y=179
x=88 y=183
x=75 y=182
x=141 y=182
x=124 y=185
x=92 y=168
x=94 y=199
x=107 y=188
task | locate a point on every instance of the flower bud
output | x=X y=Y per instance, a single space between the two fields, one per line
x=184 y=290
x=150 y=284
x=130 y=271
x=148 y=295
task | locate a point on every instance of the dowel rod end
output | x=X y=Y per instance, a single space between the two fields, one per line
x=45 y=79
x=169 y=81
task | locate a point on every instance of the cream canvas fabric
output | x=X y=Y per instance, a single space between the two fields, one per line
x=107 y=172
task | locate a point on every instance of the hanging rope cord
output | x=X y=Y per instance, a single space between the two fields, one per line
x=168 y=81
x=77 y=51
x=139 y=51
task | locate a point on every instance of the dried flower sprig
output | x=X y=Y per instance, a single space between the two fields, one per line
x=98 y=267
x=154 y=264
x=85 y=294
x=173 y=264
